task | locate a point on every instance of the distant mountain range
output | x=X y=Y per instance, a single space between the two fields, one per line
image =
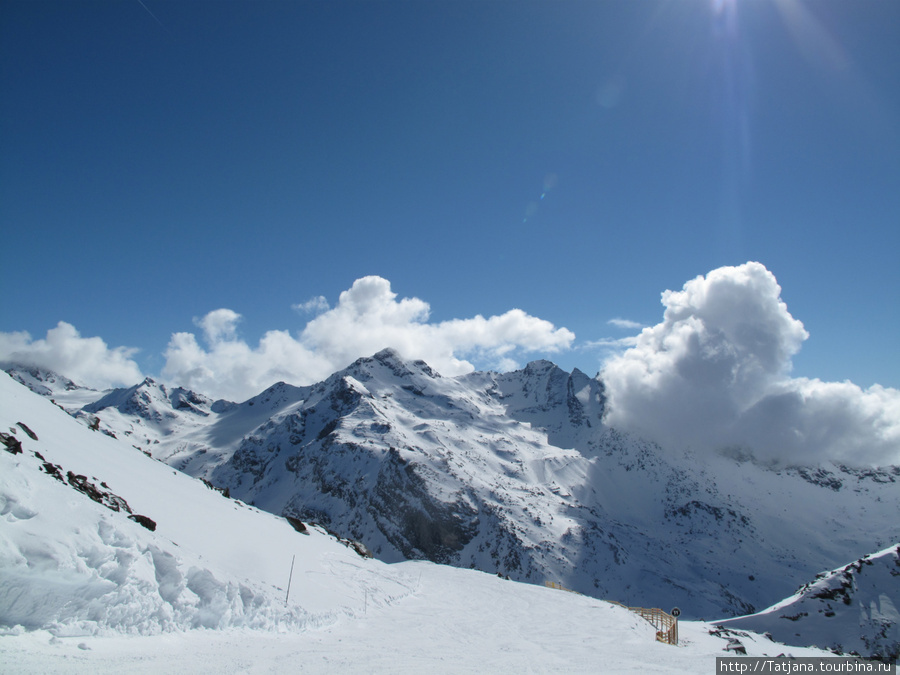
x=111 y=559
x=512 y=473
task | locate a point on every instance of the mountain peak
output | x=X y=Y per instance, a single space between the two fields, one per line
x=541 y=365
x=152 y=401
x=278 y=395
x=388 y=354
x=388 y=362
x=396 y=362
x=36 y=377
x=50 y=384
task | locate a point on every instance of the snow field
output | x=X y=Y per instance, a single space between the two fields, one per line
x=456 y=621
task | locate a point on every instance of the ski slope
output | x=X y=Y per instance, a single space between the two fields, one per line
x=455 y=621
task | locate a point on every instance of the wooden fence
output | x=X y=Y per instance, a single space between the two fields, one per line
x=559 y=587
x=666 y=625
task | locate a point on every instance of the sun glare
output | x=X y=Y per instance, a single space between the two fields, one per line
x=720 y=6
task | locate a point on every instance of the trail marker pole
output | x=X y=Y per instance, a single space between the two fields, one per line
x=290 y=576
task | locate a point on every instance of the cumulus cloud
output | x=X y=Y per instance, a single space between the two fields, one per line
x=715 y=373
x=87 y=361
x=219 y=325
x=367 y=318
x=228 y=367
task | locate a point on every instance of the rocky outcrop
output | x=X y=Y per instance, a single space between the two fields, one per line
x=854 y=609
x=101 y=493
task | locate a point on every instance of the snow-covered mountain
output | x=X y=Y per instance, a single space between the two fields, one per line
x=852 y=609
x=110 y=560
x=516 y=474
x=183 y=428
x=59 y=388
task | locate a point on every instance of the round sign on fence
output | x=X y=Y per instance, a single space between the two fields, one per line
x=675 y=612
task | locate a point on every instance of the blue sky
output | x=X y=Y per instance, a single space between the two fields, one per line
x=162 y=160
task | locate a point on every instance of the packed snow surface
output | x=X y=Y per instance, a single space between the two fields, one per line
x=86 y=588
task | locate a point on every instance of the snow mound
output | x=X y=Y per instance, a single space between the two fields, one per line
x=74 y=569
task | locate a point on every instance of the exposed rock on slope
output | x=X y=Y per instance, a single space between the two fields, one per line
x=852 y=609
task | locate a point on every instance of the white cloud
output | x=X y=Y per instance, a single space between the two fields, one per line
x=87 y=361
x=809 y=418
x=367 y=318
x=218 y=325
x=628 y=324
x=715 y=373
x=230 y=368
x=314 y=305
x=610 y=345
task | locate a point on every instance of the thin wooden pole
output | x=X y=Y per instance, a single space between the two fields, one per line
x=291 y=576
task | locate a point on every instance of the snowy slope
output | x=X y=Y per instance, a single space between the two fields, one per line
x=853 y=609
x=86 y=589
x=79 y=565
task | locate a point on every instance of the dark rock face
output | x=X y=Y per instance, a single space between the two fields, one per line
x=145 y=521
x=424 y=527
x=387 y=494
x=105 y=497
x=724 y=517
x=11 y=443
x=24 y=427
x=297 y=524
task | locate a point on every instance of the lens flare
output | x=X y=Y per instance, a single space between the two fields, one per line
x=813 y=40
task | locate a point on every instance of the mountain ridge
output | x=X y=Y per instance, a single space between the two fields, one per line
x=517 y=474
x=852 y=609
